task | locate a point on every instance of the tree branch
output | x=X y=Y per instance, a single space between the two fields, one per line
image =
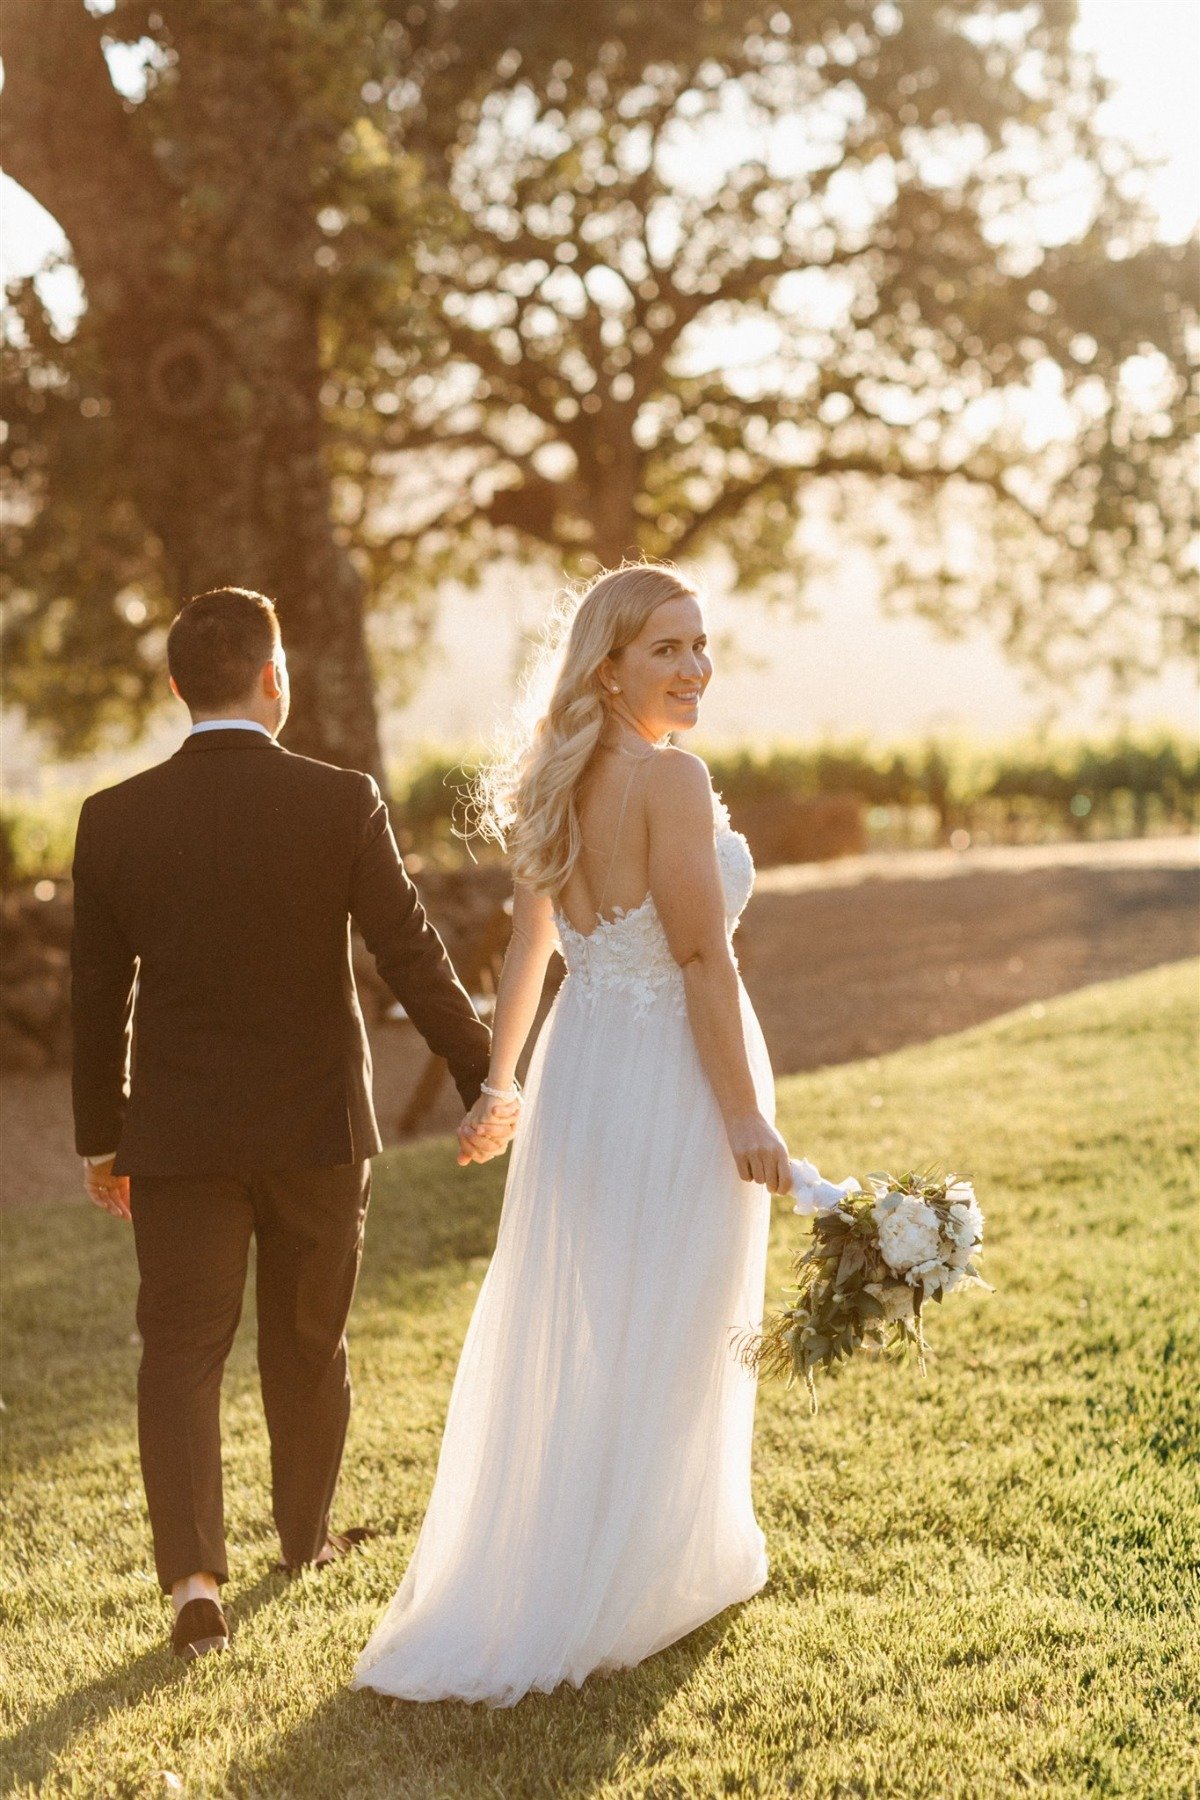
x=478 y=348
x=741 y=284
x=729 y=502
x=67 y=137
x=736 y=494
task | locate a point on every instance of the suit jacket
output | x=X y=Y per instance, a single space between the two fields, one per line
x=219 y=888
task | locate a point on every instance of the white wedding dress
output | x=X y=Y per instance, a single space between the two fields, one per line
x=592 y=1500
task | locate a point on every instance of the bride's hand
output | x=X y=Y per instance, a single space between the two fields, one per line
x=486 y=1130
x=760 y=1153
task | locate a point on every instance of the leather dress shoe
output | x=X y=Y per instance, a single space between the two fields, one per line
x=200 y=1629
x=336 y=1545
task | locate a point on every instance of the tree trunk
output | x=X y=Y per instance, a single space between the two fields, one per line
x=197 y=252
x=228 y=466
x=614 y=519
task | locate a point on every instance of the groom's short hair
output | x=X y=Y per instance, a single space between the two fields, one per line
x=217 y=644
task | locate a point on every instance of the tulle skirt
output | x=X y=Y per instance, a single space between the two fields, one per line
x=592 y=1500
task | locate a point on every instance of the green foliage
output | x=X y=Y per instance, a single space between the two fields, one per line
x=982 y=1584
x=589 y=237
x=1162 y=767
x=39 y=836
x=85 y=606
x=513 y=239
x=1117 y=787
x=878 y=778
x=431 y=794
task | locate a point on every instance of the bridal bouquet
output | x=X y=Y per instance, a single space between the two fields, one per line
x=874 y=1260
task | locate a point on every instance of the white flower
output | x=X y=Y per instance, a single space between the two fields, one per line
x=897 y=1301
x=909 y=1233
x=937 y=1280
x=964 y=1225
x=925 y=1272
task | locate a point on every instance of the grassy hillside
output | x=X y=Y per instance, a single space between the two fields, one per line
x=982 y=1584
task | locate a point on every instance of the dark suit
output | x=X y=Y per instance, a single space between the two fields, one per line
x=219 y=887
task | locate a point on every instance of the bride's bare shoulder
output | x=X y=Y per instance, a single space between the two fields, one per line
x=679 y=779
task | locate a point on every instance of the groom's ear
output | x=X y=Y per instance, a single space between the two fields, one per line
x=269 y=675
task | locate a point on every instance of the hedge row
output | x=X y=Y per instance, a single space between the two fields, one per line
x=1124 y=786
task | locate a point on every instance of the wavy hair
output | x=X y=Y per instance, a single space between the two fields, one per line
x=525 y=799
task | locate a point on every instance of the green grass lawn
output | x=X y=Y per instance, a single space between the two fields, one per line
x=983 y=1584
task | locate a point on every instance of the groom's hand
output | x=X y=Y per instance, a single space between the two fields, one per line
x=487 y=1129
x=104 y=1189
x=477 y=1143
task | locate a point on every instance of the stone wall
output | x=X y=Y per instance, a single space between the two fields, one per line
x=35 y=940
x=35 y=992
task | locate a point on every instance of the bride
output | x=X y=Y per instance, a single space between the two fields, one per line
x=592 y=1501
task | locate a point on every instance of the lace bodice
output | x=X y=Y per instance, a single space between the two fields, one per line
x=629 y=954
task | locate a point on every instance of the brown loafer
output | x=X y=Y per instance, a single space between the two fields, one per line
x=337 y=1545
x=200 y=1629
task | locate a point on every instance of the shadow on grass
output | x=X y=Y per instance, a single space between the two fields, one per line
x=567 y=1742
x=27 y=1755
x=64 y=1373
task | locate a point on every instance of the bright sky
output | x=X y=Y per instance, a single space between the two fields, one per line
x=806 y=680
x=1150 y=50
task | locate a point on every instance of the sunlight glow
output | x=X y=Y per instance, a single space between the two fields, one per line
x=1148 y=49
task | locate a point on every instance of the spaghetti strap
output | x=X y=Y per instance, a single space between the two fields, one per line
x=599 y=909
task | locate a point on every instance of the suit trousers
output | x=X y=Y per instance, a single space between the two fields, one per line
x=193 y=1241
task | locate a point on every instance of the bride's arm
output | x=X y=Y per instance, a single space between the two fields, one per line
x=490 y=1122
x=685 y=881
x=521 y=979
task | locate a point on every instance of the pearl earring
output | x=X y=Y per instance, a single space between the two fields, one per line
x=615 y=690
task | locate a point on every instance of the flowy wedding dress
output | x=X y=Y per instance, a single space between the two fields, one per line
x=592 y=1500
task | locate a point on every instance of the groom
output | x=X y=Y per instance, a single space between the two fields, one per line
x=213 y=901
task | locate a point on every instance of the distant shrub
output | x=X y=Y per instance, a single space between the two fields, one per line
x=429 y=799
x=38 y=837
x=1125 y=787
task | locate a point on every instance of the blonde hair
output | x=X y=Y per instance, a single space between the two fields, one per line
x=526 y=798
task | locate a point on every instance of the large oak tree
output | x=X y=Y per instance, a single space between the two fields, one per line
x=863 y=195
x=374 y=290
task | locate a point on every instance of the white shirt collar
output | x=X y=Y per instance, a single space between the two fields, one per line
x=229 y=725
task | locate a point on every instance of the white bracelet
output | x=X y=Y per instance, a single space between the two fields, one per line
x=512 y=1093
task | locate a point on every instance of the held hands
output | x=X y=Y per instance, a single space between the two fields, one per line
x=760 y=1153
x=487 y=1129
x=108 y=1191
